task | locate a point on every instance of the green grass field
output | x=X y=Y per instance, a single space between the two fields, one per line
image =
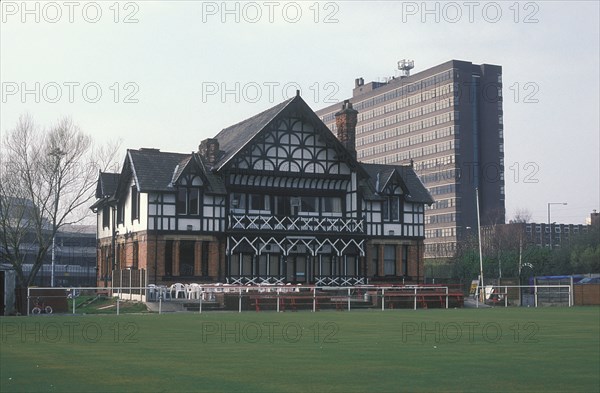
x=545 y=349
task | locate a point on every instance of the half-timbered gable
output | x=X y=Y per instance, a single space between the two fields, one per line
x=275 y=198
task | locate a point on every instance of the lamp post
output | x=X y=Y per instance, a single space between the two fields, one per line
x=480 y=250
x=57 y=153
x=549 y=222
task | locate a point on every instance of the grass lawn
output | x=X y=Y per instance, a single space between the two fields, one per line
x=483 y=350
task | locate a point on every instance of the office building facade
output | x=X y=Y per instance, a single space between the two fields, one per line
x=447 y=121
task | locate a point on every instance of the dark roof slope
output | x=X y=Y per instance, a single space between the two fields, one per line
x=153 y=169
x=107 y=184
x=235 y=137
x=416 y=190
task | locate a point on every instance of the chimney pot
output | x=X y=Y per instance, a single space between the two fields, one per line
x=209 y=149
x=345 y=121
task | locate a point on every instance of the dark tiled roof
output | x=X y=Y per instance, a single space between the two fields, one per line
x=416 y=191
x=235 y=137
x=215 y=182
x=154 y=170
x=107 y=184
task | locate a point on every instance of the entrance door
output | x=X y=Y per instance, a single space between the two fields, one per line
x=297 y=269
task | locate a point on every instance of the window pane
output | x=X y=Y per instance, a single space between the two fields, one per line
x=238 y=201
x=186 y=258
x=247 y=265
x=182 y=201
x=234 y=267
x=350 y=266
x=257 y=202
x=394 y=208
x=389 y=260
x=309 y=204
x=194 y=199
x=282 y=206
x=375 y=262
x=262 y=265
x=325 y=265
x=274 y=265
x=332 y=204
x=385 y=209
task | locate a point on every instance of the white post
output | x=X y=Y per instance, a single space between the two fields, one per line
x=571 y=294
x=382 y=299
x=240 y=299
x=74 y=299
x=415 y=307
x=200 y=296
x=348 y=299
x=277 y=298
x=28 y=295
x=118 y=300
x=314 y=299
x=480 y=252
x=446 y=297
x=535 y=295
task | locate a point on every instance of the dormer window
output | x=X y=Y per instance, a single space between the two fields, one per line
x=391 y=208
x=188 y=201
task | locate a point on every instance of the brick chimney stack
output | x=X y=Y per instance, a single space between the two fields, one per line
x=209 y=149
x=345 y=122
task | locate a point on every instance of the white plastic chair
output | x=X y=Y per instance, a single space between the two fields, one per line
x=177 y=288
x=193 y=291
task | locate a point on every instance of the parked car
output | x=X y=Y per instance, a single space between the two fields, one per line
x=589 y=280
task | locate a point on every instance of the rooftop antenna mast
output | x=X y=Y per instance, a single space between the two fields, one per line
x=405 y=66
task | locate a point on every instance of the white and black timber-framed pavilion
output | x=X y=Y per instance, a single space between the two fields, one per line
x=277 y=198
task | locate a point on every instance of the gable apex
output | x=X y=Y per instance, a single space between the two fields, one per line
x=234 y=139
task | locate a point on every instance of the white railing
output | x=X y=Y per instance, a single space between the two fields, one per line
x=277 y=296
x=299 y=223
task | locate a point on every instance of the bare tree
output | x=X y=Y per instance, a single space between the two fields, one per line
x=47 y=182
x=521 y=216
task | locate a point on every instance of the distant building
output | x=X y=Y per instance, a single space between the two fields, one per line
x=448 y=121
x=276 y=198
x=539 y=234
x=74 y=251
x=594 y=219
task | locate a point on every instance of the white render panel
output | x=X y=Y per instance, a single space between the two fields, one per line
x=169 y=210
x=185 y=222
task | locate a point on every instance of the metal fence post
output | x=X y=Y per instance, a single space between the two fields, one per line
x=160 y=296
x=348 y=299
x=446 y=297
x=200 y=296
x=415 y=307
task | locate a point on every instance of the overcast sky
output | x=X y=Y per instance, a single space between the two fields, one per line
x=168 y=75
